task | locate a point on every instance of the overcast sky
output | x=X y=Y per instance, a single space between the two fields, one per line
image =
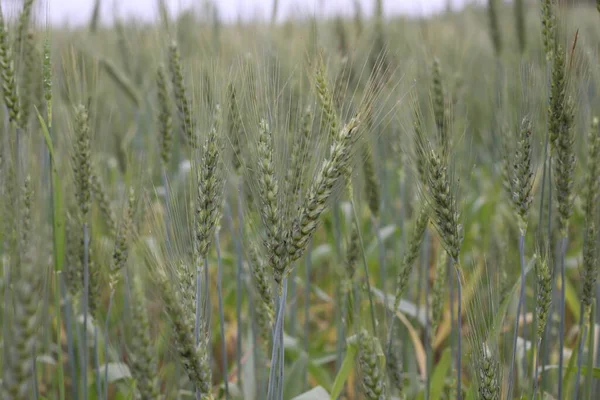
x=78 y=11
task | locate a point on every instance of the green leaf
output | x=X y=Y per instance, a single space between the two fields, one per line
x=438 y=378
x=319 y=373
x=595 y=371
x=344 y=372
x=317 y=393
x=315 y=370
x=294 y=382
x=471 y=395
x=58 y=216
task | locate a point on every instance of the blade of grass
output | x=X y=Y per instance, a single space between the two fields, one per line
x=86 y=292
x=345 y=370
x=590 y=359
x=438 y=378
x=308 y=267
x=561 y=304
x=366 y=268
x=520 y=305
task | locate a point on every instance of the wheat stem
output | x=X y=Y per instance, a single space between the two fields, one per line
x=561 y=304
x=238 y=278
x=583 y=329
x=57 y=302
x=275 y=390
x=221 y=313
x=591 y=353
x=106 y=333
x=337 y=234
x=86 y=290
x=459 y=334
x=429 y=332
x=520 y=304
x=365 y=267
x=308 y=267
x=98 y=380
x=68 y=309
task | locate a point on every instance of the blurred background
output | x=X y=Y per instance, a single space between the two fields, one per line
x=76 y=12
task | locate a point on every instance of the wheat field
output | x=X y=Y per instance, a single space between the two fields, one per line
x=320 y=208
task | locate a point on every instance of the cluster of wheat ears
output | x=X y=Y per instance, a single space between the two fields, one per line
x=372 y=208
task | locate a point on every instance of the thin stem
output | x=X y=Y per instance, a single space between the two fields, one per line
x=583 y=329
x=110 y=303
x=590 y=362
x=561 y=332
x=596 y=357
x=308 y=267
x=86 y=292
x=61 y=372
x=34 y=379
x=452 y=320
x=519 y=306
x=366 y=268
x=6 y=324
x=428 y=333
x=198 y=315
x=98 y=382
x=221 y=314
x=293 y=302
x=281 y=365
x=459 y=336
x=277 y=357
x=255 y=350
x=341 y=334
x=535 y=371
x=70 y=340
x=238 y=281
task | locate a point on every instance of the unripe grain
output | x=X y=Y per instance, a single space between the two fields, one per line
x=315 y=202
x=165 y=122
x=373 y=377
x=82 y=167
x=210 y=185
x=544 y=294
x=182 y=101
x=7 y=70
x=411 y=254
